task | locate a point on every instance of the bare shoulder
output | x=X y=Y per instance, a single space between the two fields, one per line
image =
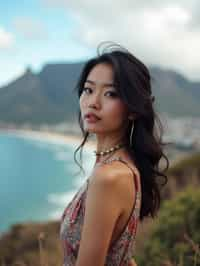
x=110 y=172
x=114 y=175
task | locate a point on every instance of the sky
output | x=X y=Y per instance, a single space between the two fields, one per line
x=36 y=32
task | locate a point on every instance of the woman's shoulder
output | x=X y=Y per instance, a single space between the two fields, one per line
x=111 y=172
x=118 y=164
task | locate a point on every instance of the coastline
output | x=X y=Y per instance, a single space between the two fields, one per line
x=56 y=198
x=49 y=136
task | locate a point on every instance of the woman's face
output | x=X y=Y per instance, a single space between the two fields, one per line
x=100 y=97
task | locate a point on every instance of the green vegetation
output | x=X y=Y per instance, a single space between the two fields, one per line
x=191 y=162
x=175 y=235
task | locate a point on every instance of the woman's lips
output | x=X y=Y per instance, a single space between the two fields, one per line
x=91 y=119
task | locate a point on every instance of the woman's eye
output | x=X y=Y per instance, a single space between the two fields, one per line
x=85 y=89
x=112 y=93
x=88 y=90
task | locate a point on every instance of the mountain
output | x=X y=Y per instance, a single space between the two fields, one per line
x=176 y=95
x=48 y=97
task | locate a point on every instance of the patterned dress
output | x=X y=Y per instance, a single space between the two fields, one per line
x=121 y=250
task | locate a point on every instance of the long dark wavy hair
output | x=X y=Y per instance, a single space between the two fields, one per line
x=133 y=85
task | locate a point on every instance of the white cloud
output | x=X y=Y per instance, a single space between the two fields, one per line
x=29 y=28
x=6 y=39
x=159 y=32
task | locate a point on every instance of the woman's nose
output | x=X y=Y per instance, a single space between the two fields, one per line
x=94 y=100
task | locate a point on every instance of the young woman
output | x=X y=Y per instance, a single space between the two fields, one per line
x=99 y=225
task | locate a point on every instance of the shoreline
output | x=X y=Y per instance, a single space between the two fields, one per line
x=66 y=138
x=49 y=136
x=55 y=198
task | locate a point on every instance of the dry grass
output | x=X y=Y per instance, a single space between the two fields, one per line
x=31 y=245
x=43 y=259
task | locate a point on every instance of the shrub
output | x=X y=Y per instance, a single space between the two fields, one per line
x=176 y=232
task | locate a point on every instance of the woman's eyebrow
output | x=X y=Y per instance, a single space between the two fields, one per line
x=103 y=84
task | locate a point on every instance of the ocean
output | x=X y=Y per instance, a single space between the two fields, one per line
x=38 y=178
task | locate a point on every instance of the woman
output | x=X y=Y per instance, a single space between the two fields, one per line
x=99 y=225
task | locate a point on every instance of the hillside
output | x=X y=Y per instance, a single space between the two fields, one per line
x=36 y=244
x=33 y=244
x=176 y=95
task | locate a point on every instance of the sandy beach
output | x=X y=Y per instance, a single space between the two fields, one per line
x=49 y=136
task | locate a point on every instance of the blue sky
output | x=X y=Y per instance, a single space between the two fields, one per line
x=35 y=32
x=50 y=41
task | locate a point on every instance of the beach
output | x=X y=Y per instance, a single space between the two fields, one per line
x=49 y=136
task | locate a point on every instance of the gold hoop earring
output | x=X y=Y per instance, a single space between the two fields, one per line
x=132 y=128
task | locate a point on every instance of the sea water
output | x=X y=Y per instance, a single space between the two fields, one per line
x=37 y=178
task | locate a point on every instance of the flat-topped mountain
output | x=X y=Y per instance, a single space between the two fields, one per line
x=48 y=97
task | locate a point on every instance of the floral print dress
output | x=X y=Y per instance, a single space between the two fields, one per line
x=121 y=250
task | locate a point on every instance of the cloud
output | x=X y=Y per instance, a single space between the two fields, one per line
x=6 y=39
x=29 y=28
x=165 y=32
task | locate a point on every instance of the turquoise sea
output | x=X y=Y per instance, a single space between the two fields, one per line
x=37 y=178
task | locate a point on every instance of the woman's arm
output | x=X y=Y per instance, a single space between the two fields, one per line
x=132 y=263
x=103 y=206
